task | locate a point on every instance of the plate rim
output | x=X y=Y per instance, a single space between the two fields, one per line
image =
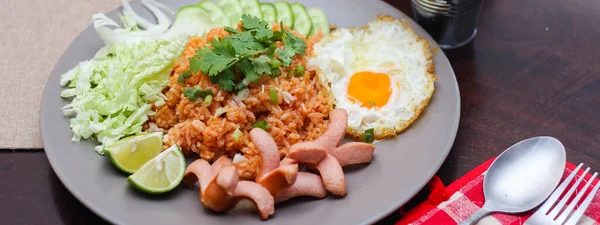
x=398 y=202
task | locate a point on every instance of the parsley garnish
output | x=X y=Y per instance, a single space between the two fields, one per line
x=244 y=56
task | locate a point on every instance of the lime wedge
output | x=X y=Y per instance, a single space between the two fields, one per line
x=130 y=153
x=161 y=174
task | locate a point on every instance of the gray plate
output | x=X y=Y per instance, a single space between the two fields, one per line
x=399 y=168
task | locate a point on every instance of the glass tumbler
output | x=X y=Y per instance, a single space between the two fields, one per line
x=451 y=23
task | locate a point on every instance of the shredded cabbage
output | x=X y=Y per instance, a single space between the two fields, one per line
x=112 y=93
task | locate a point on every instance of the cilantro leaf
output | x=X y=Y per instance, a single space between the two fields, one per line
x=227 y=80
x=209 y=63
x=264 y=34
x=261 y=65
x=295 y=43
x=245 y=44
x=248 y=70
x=250 y=22
x=285 y=55
x=223 y=47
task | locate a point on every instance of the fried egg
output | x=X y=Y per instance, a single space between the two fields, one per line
x=382 y=74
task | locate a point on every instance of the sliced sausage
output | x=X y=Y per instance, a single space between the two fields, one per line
x=265 y=203
x=199 y=170
x=267 y=149
x=338 y=121
x=279 y=179
x=288 y=161
x=307 y=152
x=353 y=153
x=332 y=175
x=307 y=184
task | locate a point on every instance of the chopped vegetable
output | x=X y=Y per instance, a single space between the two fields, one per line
x=114 y=91
x=299 y=71
x=261 y=124
x=207 y=101
x=237 y=134
x=368 y=135
x=193 y=93
x=241 y=56
x=238 y=158
x=184 y=76
x=273 y=94
x=275 y=63
x=221 y=110
x=287 y=97
x=242 y=94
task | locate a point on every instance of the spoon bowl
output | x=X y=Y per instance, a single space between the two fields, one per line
x=522 y=177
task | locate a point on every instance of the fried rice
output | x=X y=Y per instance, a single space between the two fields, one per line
x=197 y=130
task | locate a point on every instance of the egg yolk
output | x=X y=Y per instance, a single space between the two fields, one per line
x=370 y=89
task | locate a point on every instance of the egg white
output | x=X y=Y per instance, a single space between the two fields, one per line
x=385 y=46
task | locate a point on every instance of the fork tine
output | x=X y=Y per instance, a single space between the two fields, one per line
x=559 y=190
x=581 y=209
x=563 y=216
x=567 y=196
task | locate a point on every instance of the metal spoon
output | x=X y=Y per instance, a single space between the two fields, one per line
x=522 y=177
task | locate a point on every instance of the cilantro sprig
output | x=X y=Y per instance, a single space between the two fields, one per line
x=244 y=56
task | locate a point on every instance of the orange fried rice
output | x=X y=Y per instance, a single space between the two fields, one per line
x=197 y=130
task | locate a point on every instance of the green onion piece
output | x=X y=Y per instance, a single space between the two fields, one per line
x=275 y=72
x=237 y=134
x=184 y=76
x=275 y=63
x=207 y=101
x=299 y=71
x=193 y=93
x=232 y=30
x=273 y=94
x=372 y=103
x=261 y=124
x=368 y=135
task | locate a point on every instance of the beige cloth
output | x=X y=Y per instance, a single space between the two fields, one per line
x=34 y=35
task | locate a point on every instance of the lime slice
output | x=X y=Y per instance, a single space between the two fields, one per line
x=130 y=153
x=161 y=174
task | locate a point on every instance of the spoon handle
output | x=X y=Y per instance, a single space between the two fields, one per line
x=483 y=212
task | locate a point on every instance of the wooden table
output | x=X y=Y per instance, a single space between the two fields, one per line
x=532 y=70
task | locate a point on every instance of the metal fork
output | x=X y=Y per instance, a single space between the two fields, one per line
x=557 y=216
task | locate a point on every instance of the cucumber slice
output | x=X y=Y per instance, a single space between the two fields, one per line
x=302 y=21
x=251 y=7
x=319 y=21
x=215 y=12
x=192 y=20
x=284 y=13
x=269 y=13
x=233 y=10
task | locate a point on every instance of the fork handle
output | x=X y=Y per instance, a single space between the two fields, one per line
x=483 y=212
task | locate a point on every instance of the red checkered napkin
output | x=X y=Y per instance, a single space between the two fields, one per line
x=452 y=204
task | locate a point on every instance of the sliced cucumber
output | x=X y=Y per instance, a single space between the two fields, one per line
x=302 y=21
x=215 y=12
x=251 y=7
x=233 y=10
x=284 y=13
x=319 y=21
x=192 y=20
x=269 y=13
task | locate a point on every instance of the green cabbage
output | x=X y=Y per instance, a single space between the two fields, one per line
x=113 y=92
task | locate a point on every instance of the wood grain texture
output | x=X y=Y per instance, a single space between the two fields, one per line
x=532 y=70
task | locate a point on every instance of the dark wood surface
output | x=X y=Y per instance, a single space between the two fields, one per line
x=532 y=70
